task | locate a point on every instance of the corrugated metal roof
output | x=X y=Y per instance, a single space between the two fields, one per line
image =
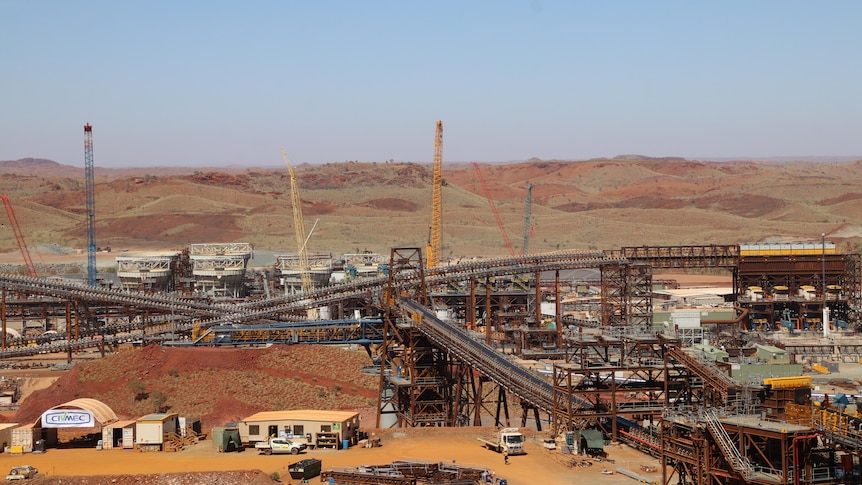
x=303 y=415
x=101 y=411
x=156 y=417
x=122 y=424
x=703 y=291
x=8 y=425
x=770 y=348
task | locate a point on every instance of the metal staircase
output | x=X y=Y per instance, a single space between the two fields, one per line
x=738 y=462
x=711 y=374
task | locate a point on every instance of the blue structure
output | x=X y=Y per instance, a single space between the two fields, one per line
x=90 y=186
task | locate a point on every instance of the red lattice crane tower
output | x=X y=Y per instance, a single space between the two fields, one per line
x=494 y=210
x=528 y=226
x=22 y=245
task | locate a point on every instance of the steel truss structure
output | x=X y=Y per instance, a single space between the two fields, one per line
x=438 y=372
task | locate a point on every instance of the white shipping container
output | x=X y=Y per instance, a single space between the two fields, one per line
x=686 y=318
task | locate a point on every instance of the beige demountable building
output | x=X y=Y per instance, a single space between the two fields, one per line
x=318 y=428
x=6 y=434
x=119 y=435
x=153 y=430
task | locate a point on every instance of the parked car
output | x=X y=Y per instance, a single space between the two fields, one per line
x=22 y=472
x=279 y=445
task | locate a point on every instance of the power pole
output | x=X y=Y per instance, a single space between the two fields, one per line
x=90 y=184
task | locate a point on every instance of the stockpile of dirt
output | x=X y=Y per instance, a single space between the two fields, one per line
x=215 y=385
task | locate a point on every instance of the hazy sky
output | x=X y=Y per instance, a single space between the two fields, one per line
x=229 y=82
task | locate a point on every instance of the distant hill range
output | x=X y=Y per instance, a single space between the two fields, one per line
x=43 y=167
x=628 y=200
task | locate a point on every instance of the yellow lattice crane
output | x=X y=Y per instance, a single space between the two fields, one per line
x=299 y=226
x=432 y=253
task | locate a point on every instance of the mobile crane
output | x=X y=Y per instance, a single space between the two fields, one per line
x=13 y=221
x=298 y=225
x=494 y=210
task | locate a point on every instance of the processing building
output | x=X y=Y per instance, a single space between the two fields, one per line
x=147 y=272
x=219 y=269
x=797 y=285
x=365 y=265
x=288 y=271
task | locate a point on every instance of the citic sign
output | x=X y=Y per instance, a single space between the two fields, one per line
x=67 y=418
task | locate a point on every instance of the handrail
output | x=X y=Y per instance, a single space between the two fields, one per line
x=738 y=462
x=518 y=380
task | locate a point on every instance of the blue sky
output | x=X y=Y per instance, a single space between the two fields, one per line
x=214 y=83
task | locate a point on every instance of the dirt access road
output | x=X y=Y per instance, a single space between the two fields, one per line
x=537 y=467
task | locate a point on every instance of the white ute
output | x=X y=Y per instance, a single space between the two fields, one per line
x=279 y=445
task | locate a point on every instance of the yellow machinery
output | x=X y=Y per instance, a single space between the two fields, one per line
x=790 y=382
x=434 y=241
x=296 y=202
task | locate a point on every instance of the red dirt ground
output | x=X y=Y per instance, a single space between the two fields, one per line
x=196 y=464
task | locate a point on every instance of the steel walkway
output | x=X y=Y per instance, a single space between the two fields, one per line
x=517 y=380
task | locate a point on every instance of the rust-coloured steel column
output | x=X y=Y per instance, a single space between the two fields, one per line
x=471 y=311
x=558 y=308
x=538 y=297
x=77 y=322
x=3 y=317
x=488 y=335
x=69 y=332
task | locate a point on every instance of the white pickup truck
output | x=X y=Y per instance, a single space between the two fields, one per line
x=279 y=445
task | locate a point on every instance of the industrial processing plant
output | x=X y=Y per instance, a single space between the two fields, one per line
x=669 y=391
x=719 y=389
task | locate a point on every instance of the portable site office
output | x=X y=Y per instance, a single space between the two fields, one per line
x=119 y=435
x=24 y=437
x=317 y=428
x=154 y=429
x=6 y=434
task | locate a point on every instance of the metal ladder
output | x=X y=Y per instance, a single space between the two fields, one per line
x=738 y=462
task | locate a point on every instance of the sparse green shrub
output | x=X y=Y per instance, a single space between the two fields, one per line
x=138 y=388
x=159 y=401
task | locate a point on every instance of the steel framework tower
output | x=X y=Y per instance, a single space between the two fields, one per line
x=434 y=244
x=299 y=226
x=90 y=184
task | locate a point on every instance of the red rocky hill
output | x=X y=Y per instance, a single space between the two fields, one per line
x=216 y=385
